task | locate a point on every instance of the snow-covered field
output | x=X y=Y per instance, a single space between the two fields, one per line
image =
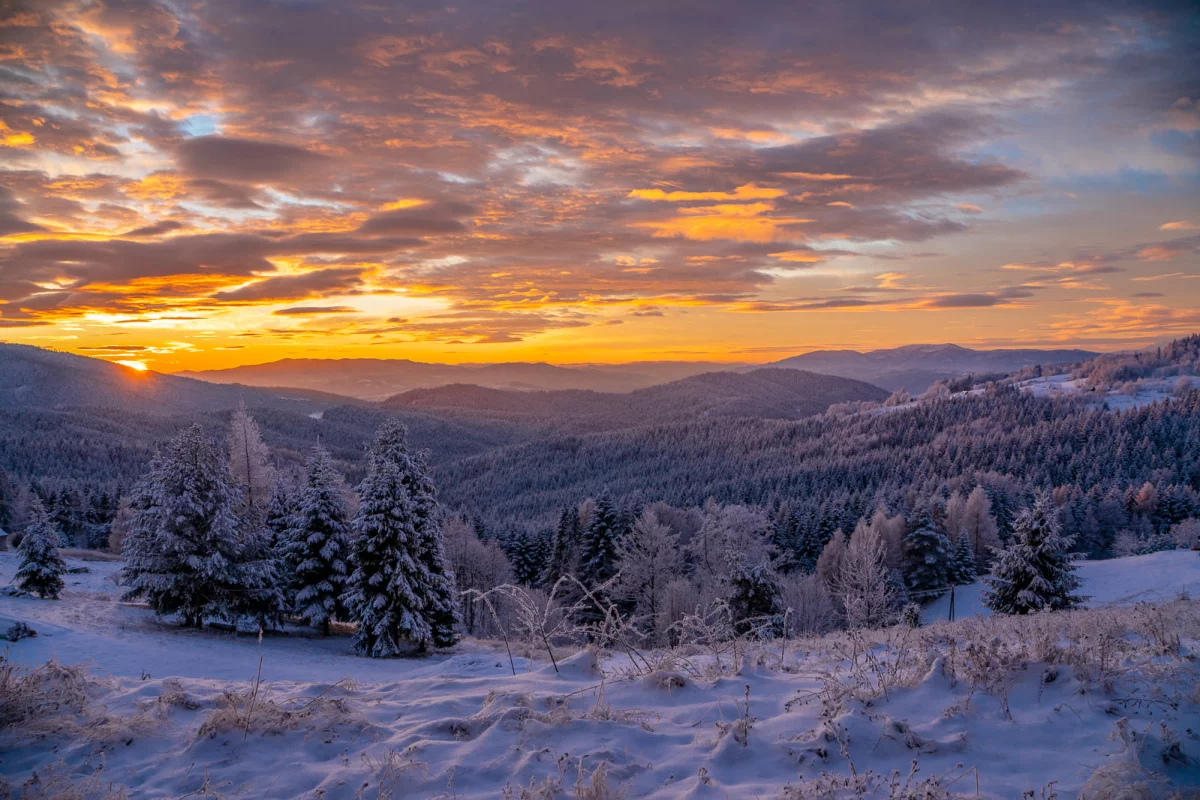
x=1150 y=390
x=1152 y=578
x=1011 y=704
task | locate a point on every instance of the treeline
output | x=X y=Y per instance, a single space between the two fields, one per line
x=835 y=469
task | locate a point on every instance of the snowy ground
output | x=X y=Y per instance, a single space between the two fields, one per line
x=459 y=724
x=1150 y=578
x=1148 y=391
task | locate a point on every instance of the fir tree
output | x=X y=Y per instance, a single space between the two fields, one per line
x=755 y=596
x=598 y=559
x=564 y=545
x=811 y=543
x=401 y=588
x=1034 y=572
x=184 y=553
x=926 y=555
x=526 y=554
x=318 y=545
x=962 y=562
x=41 y=567
x=281 y=515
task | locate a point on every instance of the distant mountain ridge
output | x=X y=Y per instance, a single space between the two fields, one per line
x=762 y=393
x=912 y=367
x=377 y=379
x=916 y=367
x=32 y=377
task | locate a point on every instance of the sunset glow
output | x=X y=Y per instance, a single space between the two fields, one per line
x=206 y=184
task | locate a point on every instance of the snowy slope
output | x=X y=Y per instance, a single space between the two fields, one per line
x=459 y=724
x=1119 y=581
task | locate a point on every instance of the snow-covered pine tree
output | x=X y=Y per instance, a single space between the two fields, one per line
x=962 y=562
x=811 y=542
x=41 y=568
x=926 y=556
x=1034 y=572
x=281 y=514
x=401 y=587
x=527 y=554
x=564 y=546
x=599 y=554
x=755 y=597
x=280 y=518
x=184 y=553
x=250 y=468
x=318 y=545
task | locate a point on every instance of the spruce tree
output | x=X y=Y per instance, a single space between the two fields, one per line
x=41 y=568
x=962 y=562
x=926 y=555
x=184 y=552
x=1034 y=572
x=598 y=558
x=564 y=545
x=755 y=597
x=401 y=588
x=318 y=545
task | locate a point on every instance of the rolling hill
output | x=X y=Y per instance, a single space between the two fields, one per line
x=916 y=367
x=31 y=377
x=377 y=379
x=763 y=393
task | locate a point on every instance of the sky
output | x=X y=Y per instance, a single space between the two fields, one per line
x=198 y=185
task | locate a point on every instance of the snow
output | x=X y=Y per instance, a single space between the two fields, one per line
x=1147 y=390
x=459 y=724
x=1155 y=577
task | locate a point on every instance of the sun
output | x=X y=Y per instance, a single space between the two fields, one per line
x=140 y=366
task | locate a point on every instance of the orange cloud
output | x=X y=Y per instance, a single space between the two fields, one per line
x=747 y=191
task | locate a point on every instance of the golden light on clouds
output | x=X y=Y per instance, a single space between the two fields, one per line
x=204 y=189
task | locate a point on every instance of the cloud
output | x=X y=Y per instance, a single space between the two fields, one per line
x=419 y=220
x=314 y=310
x=245 y=160
x=156 y=229
x=520 y=179
x=320 y=282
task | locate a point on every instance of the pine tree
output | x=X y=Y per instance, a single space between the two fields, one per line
x=962 y=562
x=184 y=552
x=1034 y=572
x=926 y=555
x=524 y=552
x=598 y=559
x=401 y=588
x=564 y=546
x=318 y=545
x=278 y=524
x=281 y=515
x=755 y=596
x=41 y=567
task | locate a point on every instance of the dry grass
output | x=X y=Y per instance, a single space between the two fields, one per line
x=88 y=555
x=56 y=783
x=255 y=711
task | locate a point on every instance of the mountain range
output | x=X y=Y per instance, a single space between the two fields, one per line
x=916 y=367
x=913 y=367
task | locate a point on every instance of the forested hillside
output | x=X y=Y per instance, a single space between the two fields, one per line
x=763 y=393
x=915 y=368
x=839 y=468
